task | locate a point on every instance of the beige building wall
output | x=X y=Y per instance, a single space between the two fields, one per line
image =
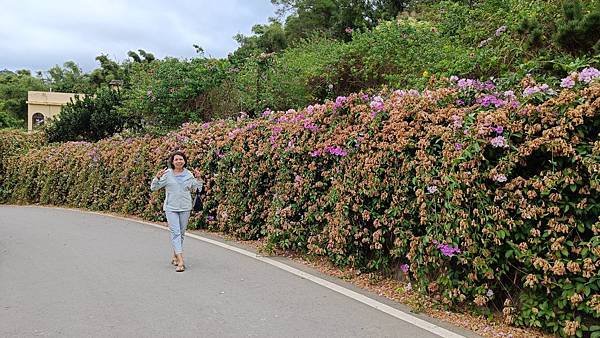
x=45 y=105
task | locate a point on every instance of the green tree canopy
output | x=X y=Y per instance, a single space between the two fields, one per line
x=13 y=96
x=89 y=118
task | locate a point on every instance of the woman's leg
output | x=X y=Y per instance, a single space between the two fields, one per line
x=174 y=226
x=184 y=217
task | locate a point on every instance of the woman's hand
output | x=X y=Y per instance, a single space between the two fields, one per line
x=197 y=173
x=160 y=173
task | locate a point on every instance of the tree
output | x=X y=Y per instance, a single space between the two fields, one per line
x=88 y=118
x=334 y=18
x=109 y=70
x=13 y=96
x=68 y=78
x=147 y=57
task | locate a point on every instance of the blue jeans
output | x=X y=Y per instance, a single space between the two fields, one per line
x=178 y=221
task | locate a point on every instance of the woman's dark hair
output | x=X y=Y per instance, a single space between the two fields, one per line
x=172 y=157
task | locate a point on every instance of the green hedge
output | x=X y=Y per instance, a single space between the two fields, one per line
x=485 y=198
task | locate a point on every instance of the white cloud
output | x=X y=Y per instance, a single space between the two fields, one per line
x=39 y=34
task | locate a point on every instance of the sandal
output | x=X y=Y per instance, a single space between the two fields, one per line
x=180 y=268
x=174 y=261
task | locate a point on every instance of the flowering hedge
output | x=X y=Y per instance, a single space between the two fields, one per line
x=16 y=142
x=484 y=198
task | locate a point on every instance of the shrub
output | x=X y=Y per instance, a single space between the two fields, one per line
x=89 y=118
x=487 y=198
x=15 y=142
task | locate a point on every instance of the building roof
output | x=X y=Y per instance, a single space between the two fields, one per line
x=50 y=98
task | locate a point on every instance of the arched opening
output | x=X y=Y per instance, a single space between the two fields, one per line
x=37 y=119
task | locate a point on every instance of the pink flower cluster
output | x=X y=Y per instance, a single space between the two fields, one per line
x=448 y=250
x=499 y=142
x=500 y=178
x=377 y=104
x=543 y=88
x=333 y=150
x=267 y=112
x=466 y=84
x=587 y=75
x=340 y=101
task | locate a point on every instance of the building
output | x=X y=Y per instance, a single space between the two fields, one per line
x=44 y=105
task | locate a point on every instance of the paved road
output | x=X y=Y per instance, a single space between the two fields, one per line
x=68 y=273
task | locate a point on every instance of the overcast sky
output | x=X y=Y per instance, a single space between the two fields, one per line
x=37 y=35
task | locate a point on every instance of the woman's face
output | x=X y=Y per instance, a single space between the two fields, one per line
x=178 y=162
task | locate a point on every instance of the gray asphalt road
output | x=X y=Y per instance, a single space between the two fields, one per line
x=68 y=273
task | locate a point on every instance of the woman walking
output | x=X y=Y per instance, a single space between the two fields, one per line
x=179 y=184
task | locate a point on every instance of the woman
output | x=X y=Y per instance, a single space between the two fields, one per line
x=179 y=184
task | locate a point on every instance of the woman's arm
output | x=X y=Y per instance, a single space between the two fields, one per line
x=197 y=182
x=159 y=181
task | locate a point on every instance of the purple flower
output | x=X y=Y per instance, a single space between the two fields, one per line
x=456 y=121
x=465 y=83
x=377 y=104
x=233 y=133
x=488 y=100
x=340 y=101
x=448 y=250
x=531 y=90
x=498 y=129
x=404 y=268
x=267 y=112
x=205 y=125
x=310 y=109
x=588 y=74
x=567 y=82
x=399 y=92
x=488 y=85
x=338 y=151
x=310 y=126
x=432 y=189
x=458 y=146
x=499 y=142
x=315 y=153
x=460 y=102
x=348 y=30
x=500 y=30
x=453 y=78
x=210 y=218
x=500 y=178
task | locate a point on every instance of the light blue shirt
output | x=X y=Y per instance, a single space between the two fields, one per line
x=178 y=189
